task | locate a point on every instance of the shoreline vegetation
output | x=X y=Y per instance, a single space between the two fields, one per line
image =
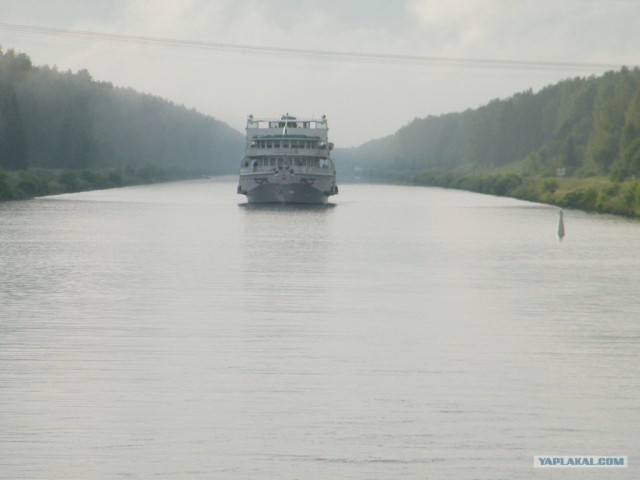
x=596 y=194
x=28 y=184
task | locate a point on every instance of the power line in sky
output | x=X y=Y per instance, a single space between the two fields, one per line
x=303 y=53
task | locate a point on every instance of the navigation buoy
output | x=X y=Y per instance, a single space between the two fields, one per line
x=560 y=226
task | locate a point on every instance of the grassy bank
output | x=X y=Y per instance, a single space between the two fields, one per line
x=36 y=183
x=594 y=194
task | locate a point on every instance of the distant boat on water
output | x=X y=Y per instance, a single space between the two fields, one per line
x=560 y=225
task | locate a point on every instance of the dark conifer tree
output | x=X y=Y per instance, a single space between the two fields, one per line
x=13 y=137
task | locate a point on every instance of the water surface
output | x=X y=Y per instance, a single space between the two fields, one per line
x=172 y=331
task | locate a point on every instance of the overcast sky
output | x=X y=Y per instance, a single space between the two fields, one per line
x=362 y=99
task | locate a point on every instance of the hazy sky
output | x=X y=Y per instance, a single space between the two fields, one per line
x=362 y=99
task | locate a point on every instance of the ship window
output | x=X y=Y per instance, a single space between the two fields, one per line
x=269 y=145
x=285 y=144
x=276 y=144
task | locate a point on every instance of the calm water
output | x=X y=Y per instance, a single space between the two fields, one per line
x=172 y=332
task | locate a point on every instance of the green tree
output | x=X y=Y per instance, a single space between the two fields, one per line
x=570 y=156
x=13 y=136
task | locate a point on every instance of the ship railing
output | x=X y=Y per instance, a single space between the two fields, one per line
x=302 y=125
x=297 y=169
x=317 y=152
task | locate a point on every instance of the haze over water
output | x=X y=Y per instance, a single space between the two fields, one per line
x=171 y=331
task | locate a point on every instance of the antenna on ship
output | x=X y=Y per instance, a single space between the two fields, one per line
x=286 y=119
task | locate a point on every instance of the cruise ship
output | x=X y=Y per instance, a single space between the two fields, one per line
x=287 y=160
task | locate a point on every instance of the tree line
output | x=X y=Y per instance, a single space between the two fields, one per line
x=589 y=126
x=584 y=128
x=64 y=120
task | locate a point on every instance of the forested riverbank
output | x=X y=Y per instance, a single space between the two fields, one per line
x=64 y=132
x=574 y=144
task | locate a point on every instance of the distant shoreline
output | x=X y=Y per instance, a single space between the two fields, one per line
x=28 y=184
x=593 y=194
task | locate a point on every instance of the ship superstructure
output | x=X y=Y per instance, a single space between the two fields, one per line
x=287 y=160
